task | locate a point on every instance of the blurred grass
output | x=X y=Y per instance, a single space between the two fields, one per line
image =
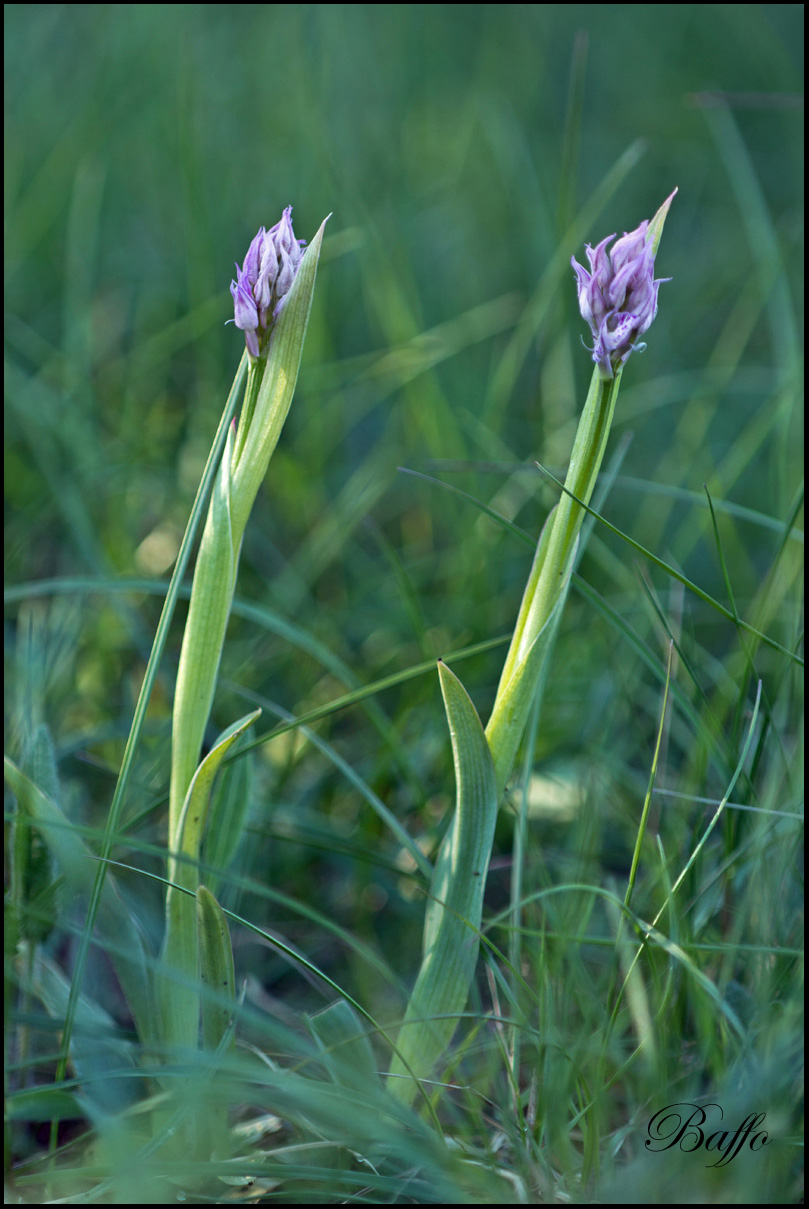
x=465 y=153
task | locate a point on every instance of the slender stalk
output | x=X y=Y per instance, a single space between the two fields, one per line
x=203 y=639
x=547 y=585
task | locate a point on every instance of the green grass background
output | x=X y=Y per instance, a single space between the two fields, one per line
x=465 y=152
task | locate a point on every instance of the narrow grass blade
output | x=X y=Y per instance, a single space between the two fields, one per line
x=127 y=950
x=139 y=718
x=43 y=1104
x=675 y=574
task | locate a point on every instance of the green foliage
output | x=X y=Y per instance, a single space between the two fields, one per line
x=179 y=998
x=466 y=154
x=117 y=926
x=452 y=922
x=346 y=1049
x=216 y=970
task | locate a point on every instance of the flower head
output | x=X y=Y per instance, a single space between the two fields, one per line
x=264 y=281
x=618 y=297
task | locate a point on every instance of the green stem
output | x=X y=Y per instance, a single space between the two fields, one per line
x=254 y=378
x=208 y=613
x=585 y=463
x=203 y=639
x=546 y=589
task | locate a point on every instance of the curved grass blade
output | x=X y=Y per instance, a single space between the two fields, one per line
x=675 y=574
x=258 y=614
x=141 y=707
x=127 y=950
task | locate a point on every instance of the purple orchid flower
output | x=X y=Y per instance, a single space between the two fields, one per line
x=263 y=282
x=618 y=297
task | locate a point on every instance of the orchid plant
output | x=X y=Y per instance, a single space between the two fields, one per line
x=618 y=299
x=272 y=296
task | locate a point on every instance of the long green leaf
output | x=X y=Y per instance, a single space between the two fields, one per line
x=204 y=634
x=227 y=815
x=100 y=1056
x=452 y=924
x=215 y=969
x=179 y=989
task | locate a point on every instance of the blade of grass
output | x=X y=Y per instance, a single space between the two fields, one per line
x=127 y=763
x=675 y=574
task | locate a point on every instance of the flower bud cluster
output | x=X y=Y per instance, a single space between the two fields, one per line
x=264 y=281
x=618 y=297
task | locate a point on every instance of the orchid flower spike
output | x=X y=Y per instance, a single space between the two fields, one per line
x=618 y=297
x=264 y=280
